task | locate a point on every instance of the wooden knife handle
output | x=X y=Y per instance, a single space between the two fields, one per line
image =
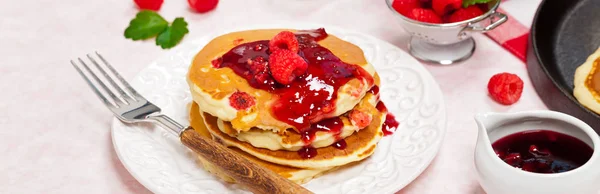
x=255 y=178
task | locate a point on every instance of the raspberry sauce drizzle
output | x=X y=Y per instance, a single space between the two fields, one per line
x=341 y=144
x=249 y=60
x=374 y=90
x=390 y=125
x=310 y=97
x=307 y=152
x=332 y=125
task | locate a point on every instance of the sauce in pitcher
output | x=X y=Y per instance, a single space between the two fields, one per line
x=542 y=151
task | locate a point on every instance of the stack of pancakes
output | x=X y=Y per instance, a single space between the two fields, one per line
x=257 y=134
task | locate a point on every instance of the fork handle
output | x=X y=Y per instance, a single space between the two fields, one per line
x=254 y=177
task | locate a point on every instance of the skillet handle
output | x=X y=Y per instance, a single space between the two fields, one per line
x=496 y=19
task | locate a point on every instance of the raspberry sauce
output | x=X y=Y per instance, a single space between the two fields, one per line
x=542 y=151
x=249 y=60
x=374 y=90
x=381 y=107
x=390 y=125
x=311 y=96
x=332 y=125
x=307 y=152
x=341 y=144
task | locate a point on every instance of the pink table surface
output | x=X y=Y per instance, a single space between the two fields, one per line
x=55 y=133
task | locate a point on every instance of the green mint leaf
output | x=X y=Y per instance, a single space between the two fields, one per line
x=467 y=3
x=146 y=24
x=173 y=34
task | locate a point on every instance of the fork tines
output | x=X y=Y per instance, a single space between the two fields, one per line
x=125 y=93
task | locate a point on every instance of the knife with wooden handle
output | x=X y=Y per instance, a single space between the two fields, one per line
x=255 y=178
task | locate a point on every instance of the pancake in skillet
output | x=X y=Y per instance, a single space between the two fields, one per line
x=587 y=83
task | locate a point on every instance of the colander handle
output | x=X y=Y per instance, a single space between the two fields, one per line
x=497 y=19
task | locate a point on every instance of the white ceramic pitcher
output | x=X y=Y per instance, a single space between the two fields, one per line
x=497 y=177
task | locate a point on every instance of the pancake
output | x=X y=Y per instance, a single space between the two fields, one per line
x=215 y=89
x=360 y=145
x=296 y=175
x=587 y=83
x=323 y=135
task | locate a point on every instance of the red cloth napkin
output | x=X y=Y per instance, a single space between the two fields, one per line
x=512 y=35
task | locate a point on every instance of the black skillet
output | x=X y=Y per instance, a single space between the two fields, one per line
x=563 y=34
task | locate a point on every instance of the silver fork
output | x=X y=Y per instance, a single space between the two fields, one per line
x=130 y=107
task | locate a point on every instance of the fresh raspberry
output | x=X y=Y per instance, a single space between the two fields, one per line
x=483 y=6
x=360 y=118
x=443 y=7
x=426 y=3
x=405 y=7
x=465 y=14
x=241 y=100
x=203 y=6
x=505 y=88
x=286 y=65
x=149 y=4
x=284 y=40
x=425 y=15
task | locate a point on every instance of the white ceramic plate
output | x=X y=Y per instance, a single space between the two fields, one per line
x=162 y=164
